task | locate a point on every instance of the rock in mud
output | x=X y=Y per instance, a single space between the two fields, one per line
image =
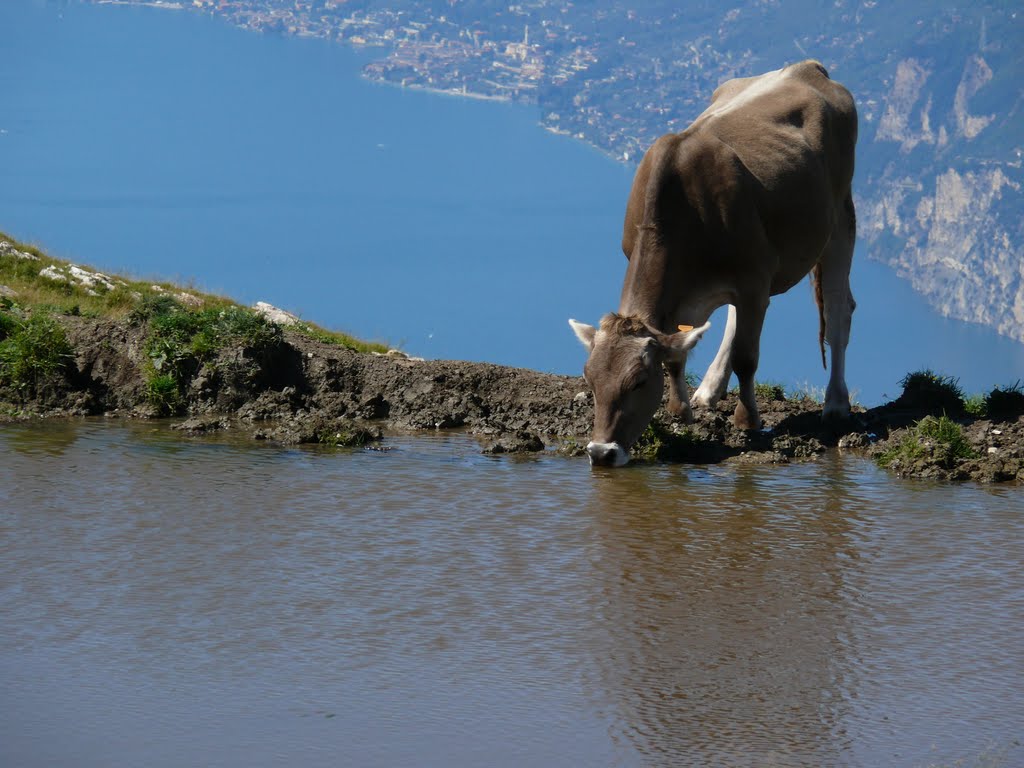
x=321 y=430
x=519 y=442
x=198 y=425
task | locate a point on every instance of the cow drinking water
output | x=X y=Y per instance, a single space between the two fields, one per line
x=737 y=208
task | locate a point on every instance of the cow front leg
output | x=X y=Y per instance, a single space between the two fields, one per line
x=745 y=353
x=716 y=381
x=678 y=391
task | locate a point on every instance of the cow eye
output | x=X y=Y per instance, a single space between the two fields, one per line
x=638 y=382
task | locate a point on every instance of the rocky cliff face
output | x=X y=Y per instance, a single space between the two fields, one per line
x=945 y=208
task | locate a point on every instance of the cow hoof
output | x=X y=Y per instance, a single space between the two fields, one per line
x=705 y=398
x=744 y=419
x=680 y=410
x=835 y=412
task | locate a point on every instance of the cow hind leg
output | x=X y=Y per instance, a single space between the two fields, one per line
x=838 y=307
x=716 y=381
x=745 y=353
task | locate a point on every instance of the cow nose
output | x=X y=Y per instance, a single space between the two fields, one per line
x=607 y=454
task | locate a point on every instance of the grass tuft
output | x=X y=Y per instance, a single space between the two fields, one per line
x=938 y=438
x=1006 y=402
x=976 y=406
x=769 y=391
x=934 y=392
x=32 y=348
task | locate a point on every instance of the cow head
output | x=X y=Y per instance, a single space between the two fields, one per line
x=624 y=372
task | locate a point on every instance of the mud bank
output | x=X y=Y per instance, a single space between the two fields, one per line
x=299 y=389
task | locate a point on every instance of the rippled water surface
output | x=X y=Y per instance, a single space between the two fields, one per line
x=167 y=601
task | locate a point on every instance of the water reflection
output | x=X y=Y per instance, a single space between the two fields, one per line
x=438 y=607
x=724 y=614
x=50 y=439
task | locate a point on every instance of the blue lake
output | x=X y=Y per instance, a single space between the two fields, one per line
x=169 y=144
x=167 y=601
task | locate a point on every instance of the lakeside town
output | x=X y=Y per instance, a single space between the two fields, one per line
x=541 y=52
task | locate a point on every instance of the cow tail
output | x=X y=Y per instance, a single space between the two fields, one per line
x=819 y=299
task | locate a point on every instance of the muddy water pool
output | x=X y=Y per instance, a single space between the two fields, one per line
x=176 y=601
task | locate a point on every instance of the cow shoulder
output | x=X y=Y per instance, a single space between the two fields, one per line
x=648 y=173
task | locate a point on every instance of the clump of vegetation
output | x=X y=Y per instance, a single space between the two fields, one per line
x=809 y=392
x=347 y=436
x=658 y=443
x=33 y=348
x=937 y=439
x=164 y=392
x=933 y=392
x=975 y=405
x=1006 y=402
x=765 y=390
x=180 y=340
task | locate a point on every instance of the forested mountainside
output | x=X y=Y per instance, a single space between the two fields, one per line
x=939 y=87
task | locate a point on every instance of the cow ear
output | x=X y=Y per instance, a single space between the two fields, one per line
x=585 y=333
x=676 y=345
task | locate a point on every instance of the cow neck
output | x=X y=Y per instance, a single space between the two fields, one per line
x=649 y=276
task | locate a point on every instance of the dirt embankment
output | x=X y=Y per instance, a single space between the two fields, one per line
x=303 y=390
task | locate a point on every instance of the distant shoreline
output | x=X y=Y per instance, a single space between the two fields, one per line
x=167 y=6
x=454 y=92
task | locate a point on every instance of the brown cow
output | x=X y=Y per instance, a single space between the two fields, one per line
x=737 y=208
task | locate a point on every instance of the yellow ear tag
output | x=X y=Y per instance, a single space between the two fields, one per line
x=685 y=328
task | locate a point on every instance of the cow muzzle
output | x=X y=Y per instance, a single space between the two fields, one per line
x=607 y=454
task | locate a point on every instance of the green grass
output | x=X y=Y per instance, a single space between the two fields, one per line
x=807 y=391
x=1000 y=403
x=186 y=328
x=767 y=390
x=114 y=296
x=938 y=437
x=163 y=392
x=338 y=338
x=976 y=406
x=180 y=340
x=33 y=347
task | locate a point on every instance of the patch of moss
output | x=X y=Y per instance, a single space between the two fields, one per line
x=658 y=443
